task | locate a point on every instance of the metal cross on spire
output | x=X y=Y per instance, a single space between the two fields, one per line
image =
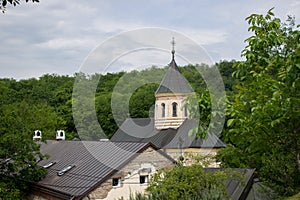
x=173 y=47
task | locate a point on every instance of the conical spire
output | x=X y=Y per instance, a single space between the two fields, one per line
x=173 y=81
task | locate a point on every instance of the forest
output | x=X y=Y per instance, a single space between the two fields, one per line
x=262 y=114
x=45 y=103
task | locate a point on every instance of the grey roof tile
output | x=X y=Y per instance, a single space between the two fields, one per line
x=173 y=81
x=143 y=130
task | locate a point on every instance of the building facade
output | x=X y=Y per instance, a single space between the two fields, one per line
x=97 y=170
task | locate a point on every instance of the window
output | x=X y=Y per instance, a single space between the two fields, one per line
x=38 y=133
x=64 y=170
x=144 y=179
x=174 y=113
x=185 y=111
x=61 y=134
x=163 y=110
x=116 y=182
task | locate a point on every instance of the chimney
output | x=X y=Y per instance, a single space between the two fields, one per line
x=37 y=135
x=60 y=135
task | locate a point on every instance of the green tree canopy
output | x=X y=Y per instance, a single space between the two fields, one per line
x=263 y=124
x=187 y=182
x=19 y=154
x=190 y=182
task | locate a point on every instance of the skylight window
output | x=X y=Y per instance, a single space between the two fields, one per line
x=49 y=164
x=64 y=170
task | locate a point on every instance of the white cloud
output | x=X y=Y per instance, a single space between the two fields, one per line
x=207 y=37
x=56 y=36
x=66 y=43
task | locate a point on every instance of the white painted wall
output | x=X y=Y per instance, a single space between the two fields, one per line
x=130 y=185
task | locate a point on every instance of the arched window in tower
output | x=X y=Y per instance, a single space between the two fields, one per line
x=163 y=110
x=185 y=111
x=174 y=113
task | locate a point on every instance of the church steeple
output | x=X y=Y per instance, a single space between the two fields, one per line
x=170 y=94
x=173 y=81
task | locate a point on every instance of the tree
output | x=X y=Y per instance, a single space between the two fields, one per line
x=142 y=100
x=18 y=153
x=207 y=105
x=188 y=182
x=3 y=3
x=226 y=70
x=263 y=124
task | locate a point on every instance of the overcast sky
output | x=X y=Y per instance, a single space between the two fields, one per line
x=56 y=36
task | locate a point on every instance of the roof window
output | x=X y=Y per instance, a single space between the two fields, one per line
x=49 y=164
x=64 y=170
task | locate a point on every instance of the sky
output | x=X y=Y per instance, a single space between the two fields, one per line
x=59 y=37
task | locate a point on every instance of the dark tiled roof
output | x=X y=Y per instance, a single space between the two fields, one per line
x=94 y=162
x=143 y=130
x=237 y=190
x=173 y=81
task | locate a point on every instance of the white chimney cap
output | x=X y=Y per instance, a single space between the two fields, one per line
x=60 y=135
x=37 y=135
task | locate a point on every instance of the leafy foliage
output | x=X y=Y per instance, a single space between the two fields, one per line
x=263 y=124
x=18 y=152
x=190 y=182
x=21 y=112
x=142 y=100
x=187 y=182
x=3 y=3
x=209 y=102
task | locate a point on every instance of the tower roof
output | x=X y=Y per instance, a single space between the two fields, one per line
x=173 y=81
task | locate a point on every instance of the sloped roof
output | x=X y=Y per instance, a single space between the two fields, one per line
x=237 y=190
x=143 y=130
x=94 y=161
x=173 y=81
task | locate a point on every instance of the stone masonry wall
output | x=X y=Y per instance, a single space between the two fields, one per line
x=190 y=154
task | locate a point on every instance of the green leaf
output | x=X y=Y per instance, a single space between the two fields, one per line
x=230 y=122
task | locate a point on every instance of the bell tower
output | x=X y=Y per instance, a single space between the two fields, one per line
x=173 y=89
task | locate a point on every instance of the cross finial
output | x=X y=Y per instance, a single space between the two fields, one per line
x=173 y=47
